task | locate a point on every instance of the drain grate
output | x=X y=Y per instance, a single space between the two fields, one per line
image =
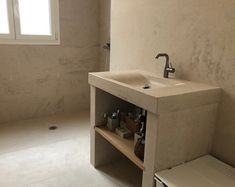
x=52 y=128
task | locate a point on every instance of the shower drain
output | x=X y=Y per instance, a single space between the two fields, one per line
x=52 y=128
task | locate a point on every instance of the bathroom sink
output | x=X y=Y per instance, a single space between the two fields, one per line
x=150 y=91
x=141 y=80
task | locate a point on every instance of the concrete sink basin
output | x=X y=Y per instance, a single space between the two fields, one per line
x=142 y=80
x=151 y=91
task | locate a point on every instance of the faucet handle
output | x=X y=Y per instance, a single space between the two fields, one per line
x=170 y=68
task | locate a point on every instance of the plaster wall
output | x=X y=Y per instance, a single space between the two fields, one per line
x=198 y=36
x=43 y=80
x=104 y=33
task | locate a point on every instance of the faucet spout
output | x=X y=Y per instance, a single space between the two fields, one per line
x=168 y=67
x=163 y=55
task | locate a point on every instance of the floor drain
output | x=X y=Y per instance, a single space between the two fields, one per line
x=52 y=128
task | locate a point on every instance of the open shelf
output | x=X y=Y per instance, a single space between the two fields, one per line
x=125 y=146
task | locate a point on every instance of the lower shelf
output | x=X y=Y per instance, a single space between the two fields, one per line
x=125 y=146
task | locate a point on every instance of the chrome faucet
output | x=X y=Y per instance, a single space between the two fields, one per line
x=168 y=67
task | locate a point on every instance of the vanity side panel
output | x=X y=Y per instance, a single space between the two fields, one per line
x=102 y=152
x=92 y=125
x=150 y=150
x=185 y=135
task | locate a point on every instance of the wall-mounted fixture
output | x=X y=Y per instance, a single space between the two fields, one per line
x=168 y=67
x=107 y=46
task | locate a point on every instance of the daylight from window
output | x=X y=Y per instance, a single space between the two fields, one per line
x=35 y=17
x=4 y=23
x=29 y=22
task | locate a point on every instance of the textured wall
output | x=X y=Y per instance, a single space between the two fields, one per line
x=199 y=37
x=104 y=32
x=43 y=80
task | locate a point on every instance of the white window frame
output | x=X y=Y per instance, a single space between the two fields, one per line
x=15 y=37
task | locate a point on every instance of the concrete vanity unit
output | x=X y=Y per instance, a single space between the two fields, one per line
x=180 y=119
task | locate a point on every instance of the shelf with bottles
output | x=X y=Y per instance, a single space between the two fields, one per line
x=126 y=132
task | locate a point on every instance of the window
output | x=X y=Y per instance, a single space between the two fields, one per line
x=29 y=22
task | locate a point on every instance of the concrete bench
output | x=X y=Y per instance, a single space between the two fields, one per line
x=206 y=171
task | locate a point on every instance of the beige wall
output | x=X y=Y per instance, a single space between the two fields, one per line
x=43 y=80
x=104 y=32
x=199 y=37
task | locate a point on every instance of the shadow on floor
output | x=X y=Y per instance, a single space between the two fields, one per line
x=125 y=171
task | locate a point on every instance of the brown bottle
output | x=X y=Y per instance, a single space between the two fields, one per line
x=139 y=149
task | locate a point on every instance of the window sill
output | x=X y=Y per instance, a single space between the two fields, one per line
x=29 y=42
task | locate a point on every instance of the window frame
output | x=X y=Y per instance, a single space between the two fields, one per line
x=15 y=37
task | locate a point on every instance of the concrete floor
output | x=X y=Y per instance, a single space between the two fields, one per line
x=33 y=156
